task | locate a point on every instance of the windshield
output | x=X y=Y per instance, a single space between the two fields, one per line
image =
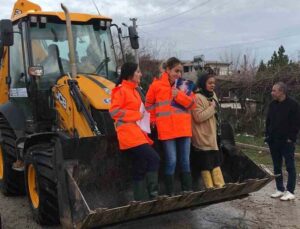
x=93 y=49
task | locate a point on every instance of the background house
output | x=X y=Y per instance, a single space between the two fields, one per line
x=190 y=68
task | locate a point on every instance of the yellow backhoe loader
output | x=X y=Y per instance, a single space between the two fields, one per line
x=56 y=76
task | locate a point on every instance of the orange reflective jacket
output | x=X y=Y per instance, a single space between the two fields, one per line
x=172 y=121
x=125 y=110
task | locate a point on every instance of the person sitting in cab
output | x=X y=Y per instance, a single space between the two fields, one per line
x=127 y=109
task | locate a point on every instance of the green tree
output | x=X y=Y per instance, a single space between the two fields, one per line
x=274 y=60
x=278 y=59
x=283 y=59
x=262 y=67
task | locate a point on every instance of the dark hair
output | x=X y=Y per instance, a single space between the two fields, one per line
x=172 y=62
x=163 y=65
x=201 y=84
x=127 y=72
x=202 y=78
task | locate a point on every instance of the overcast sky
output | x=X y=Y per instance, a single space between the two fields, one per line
x=214 y=28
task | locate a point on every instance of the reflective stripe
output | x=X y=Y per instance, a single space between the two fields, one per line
x=168 y=113
x=181 y=111
x=164 y=113
x=163 y=103
x=121 y=122
x=191 y=104
x=158 y=104
x=123 y=114
x=152 y=107
x=114 y=112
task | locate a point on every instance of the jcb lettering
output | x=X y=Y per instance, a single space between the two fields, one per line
x=61 y=99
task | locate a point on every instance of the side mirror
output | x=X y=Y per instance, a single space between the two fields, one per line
x=134 y=38
x=6 y=32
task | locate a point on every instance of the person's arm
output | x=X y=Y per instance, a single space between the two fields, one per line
x=267 y=123
x=294 y=122
x=118 y=109
x=200 y=113
x=268 y=119
x=187 y=101
x=150 y=103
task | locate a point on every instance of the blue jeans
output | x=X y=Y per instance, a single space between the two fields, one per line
x=282 y=150
x=172 y=147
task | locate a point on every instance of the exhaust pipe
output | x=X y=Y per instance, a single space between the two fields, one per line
x=73 y=66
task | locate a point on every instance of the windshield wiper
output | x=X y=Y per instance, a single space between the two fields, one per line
x=103 y=62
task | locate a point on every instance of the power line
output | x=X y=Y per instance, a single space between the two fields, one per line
x=96 y=7
x=184 y=12
x=167 y=9
x=195 y=18
x=243 y=43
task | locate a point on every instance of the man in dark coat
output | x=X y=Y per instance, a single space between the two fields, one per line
x=282 y=127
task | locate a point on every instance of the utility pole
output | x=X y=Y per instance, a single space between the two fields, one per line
x=136 y=54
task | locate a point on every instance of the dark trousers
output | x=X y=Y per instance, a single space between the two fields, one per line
x=144 y=159
x=280 y=150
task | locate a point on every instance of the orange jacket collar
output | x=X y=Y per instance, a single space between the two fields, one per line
x=129 y=84
x=165 y=78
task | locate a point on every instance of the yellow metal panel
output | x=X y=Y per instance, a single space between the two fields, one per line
x=23 y=8
x=3 y=77
x=69 y=118
x=98 y=97
x=77 y=17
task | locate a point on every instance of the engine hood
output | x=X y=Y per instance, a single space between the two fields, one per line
x=97 y=90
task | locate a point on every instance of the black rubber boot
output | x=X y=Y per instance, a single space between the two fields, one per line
x=169 y=183
x=139 y=191
x=186 y=182
x=152 y=184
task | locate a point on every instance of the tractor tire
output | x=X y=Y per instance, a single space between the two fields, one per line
x=41 y=183
x=11 y=181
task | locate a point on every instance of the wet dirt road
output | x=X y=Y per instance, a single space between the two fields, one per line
x=255 y=211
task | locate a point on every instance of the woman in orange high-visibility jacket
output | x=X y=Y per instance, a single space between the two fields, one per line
x=126 y=110
x=173 y=123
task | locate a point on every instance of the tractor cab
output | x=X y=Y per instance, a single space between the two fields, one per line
x=38 y=52
x=94 y=53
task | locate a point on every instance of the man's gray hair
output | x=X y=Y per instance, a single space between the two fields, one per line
x=282 y=87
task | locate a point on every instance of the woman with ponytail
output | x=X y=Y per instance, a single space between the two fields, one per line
x=170 y=113
x=126 y=109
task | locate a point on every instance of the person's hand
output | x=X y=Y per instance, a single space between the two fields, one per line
x=266 y=140
x=289 y=141
x=152 y=125
x=174 y=92
x=213 y=103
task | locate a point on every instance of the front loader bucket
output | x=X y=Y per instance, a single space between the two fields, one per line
x=94 y=184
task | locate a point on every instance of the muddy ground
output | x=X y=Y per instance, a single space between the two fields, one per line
x=255 y=211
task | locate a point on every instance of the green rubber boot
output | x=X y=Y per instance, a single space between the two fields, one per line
x=139 y=191
x=169 y=184
x=152 y=184
x=186 y=182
